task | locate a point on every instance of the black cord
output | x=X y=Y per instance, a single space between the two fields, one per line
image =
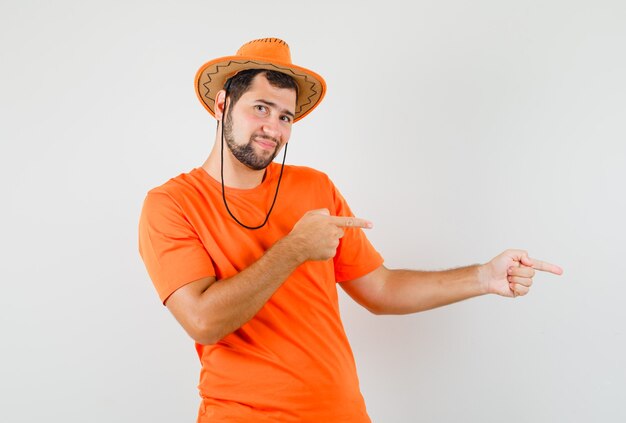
x=222 y=175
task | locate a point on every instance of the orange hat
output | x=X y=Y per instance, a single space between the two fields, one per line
x=265 y=53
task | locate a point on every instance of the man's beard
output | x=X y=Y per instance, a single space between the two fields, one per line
x=245 y=153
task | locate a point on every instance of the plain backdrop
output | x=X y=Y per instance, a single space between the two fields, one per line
x=460 y=128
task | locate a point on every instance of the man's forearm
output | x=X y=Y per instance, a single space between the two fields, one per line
x=230 y=303
x=411 y=291
x=219 y=308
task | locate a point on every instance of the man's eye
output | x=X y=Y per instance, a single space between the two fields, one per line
x=260 y=108
x=286 y=119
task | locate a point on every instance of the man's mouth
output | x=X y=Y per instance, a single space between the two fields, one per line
x=266 y=143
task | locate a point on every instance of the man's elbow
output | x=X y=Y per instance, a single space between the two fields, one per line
x=204 y=339
x=383 y=308
x=373 y=307
x=377 y=310
x=205 y=332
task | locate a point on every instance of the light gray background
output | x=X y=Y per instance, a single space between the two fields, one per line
x=461 y=128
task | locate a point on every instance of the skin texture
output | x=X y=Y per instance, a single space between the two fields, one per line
x=246 y=153
x=263 y=115
x=386 y=291
x=260 y=125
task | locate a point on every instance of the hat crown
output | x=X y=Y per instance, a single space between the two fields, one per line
x=270 y=49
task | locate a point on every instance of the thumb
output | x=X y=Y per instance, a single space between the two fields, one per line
x=526 y=261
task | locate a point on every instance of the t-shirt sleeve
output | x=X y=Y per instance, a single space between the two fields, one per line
x=355 y=256
x=169 y=246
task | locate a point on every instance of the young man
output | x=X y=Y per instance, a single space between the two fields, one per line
x=246 y=255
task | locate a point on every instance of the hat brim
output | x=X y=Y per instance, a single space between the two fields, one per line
x=212 y=76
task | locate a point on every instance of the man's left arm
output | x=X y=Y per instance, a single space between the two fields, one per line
x=395 y=291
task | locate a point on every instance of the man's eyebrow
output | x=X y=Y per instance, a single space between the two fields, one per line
x=275 y=106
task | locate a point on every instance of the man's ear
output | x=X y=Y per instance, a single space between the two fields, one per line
x=220 y=100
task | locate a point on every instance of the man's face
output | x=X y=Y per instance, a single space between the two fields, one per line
x=259 y=124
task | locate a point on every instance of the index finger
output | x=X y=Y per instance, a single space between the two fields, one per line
x=544 y=266
x=351 y=222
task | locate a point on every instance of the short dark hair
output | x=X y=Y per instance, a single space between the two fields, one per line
x=237 y=85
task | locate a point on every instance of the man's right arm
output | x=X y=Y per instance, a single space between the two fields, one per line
x=209 y=310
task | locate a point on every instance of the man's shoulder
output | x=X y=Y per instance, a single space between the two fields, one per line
x=307 y=180
x=306 y=173
x=178 y=186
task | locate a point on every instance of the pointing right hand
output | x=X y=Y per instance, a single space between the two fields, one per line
x=316 y=235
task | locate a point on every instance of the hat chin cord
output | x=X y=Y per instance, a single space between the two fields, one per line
x=222 y=177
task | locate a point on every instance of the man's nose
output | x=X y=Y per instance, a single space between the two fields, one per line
x=271 y=128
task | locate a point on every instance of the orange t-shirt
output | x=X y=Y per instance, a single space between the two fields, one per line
x=292 y=361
